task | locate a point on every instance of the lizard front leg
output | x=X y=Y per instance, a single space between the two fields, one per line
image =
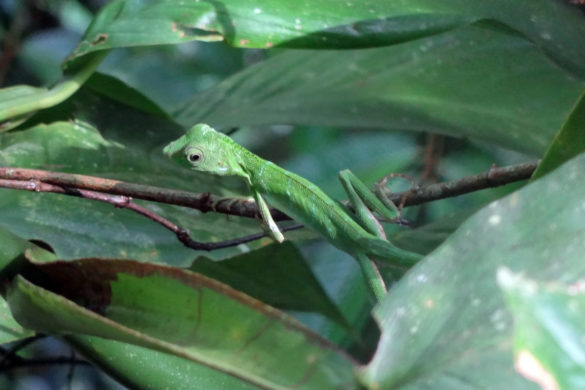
x=365 y=203
x=268 y=224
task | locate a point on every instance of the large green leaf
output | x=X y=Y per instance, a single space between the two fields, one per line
x=114 y=89
x=73 y=227
x=11 y=247
x=473 y=82
x=204 y=321
x=446 y=320
x=10 y=330
x=548 y=330
x=327 y=24
x=67 y=224
x=196 y=66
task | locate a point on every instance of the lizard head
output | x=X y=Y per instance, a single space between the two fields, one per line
x=206 y=150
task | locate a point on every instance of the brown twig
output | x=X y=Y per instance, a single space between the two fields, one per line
x=383 y=191
x=492 y=178
x=120 y=194
x=11 y=354
x=126 y=202
x=203 y=202
x=20 y=362
x=10 y=359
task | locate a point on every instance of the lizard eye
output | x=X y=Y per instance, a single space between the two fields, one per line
x=194 y=155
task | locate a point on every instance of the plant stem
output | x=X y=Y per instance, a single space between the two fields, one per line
x=120 y=194
x=494 y=177
x=205 y=202
x=125 y=202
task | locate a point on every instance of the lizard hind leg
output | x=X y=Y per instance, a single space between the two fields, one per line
x=365 y=203
x=372 y=276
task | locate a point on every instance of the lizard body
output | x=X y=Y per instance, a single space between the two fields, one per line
x=204 y=149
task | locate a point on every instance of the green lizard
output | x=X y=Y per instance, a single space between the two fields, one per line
x=206 y=150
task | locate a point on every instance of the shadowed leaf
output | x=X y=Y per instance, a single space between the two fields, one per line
x=204 y=321
x=277 y=275
x=553 y=26
x=473 y=82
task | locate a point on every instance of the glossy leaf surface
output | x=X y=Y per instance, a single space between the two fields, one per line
x=328 y=24
x=471 y=82
x=447 y=320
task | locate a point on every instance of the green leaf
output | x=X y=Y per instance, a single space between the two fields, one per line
x=277 y=275
x=426 y=238
x=568 y=142
x=131 y=152
x=472 y=82
x=10 y=330
x=548 y=330
x=116 y=90
x=204 y=321
x=142 y=368
x=196 y=66
x=446 y=320
x=328 y=24
x=9 y=95
x=11 y=248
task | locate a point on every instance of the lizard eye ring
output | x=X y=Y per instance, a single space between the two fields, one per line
x=194 y=156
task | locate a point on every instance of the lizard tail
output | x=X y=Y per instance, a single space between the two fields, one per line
x=385 y=251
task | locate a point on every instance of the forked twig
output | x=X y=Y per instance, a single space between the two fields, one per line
x=125 y=202
x=121 y=194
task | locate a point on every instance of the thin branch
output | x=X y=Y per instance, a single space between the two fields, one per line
x=492 y=178
x=383 y=192
x=126 y=202
x=11 y=360
x=10 y=354
x=71 y=371
x=205 y=202
x=19 y=362
x=120 y=194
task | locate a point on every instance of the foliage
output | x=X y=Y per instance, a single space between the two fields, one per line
x=316 y=87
